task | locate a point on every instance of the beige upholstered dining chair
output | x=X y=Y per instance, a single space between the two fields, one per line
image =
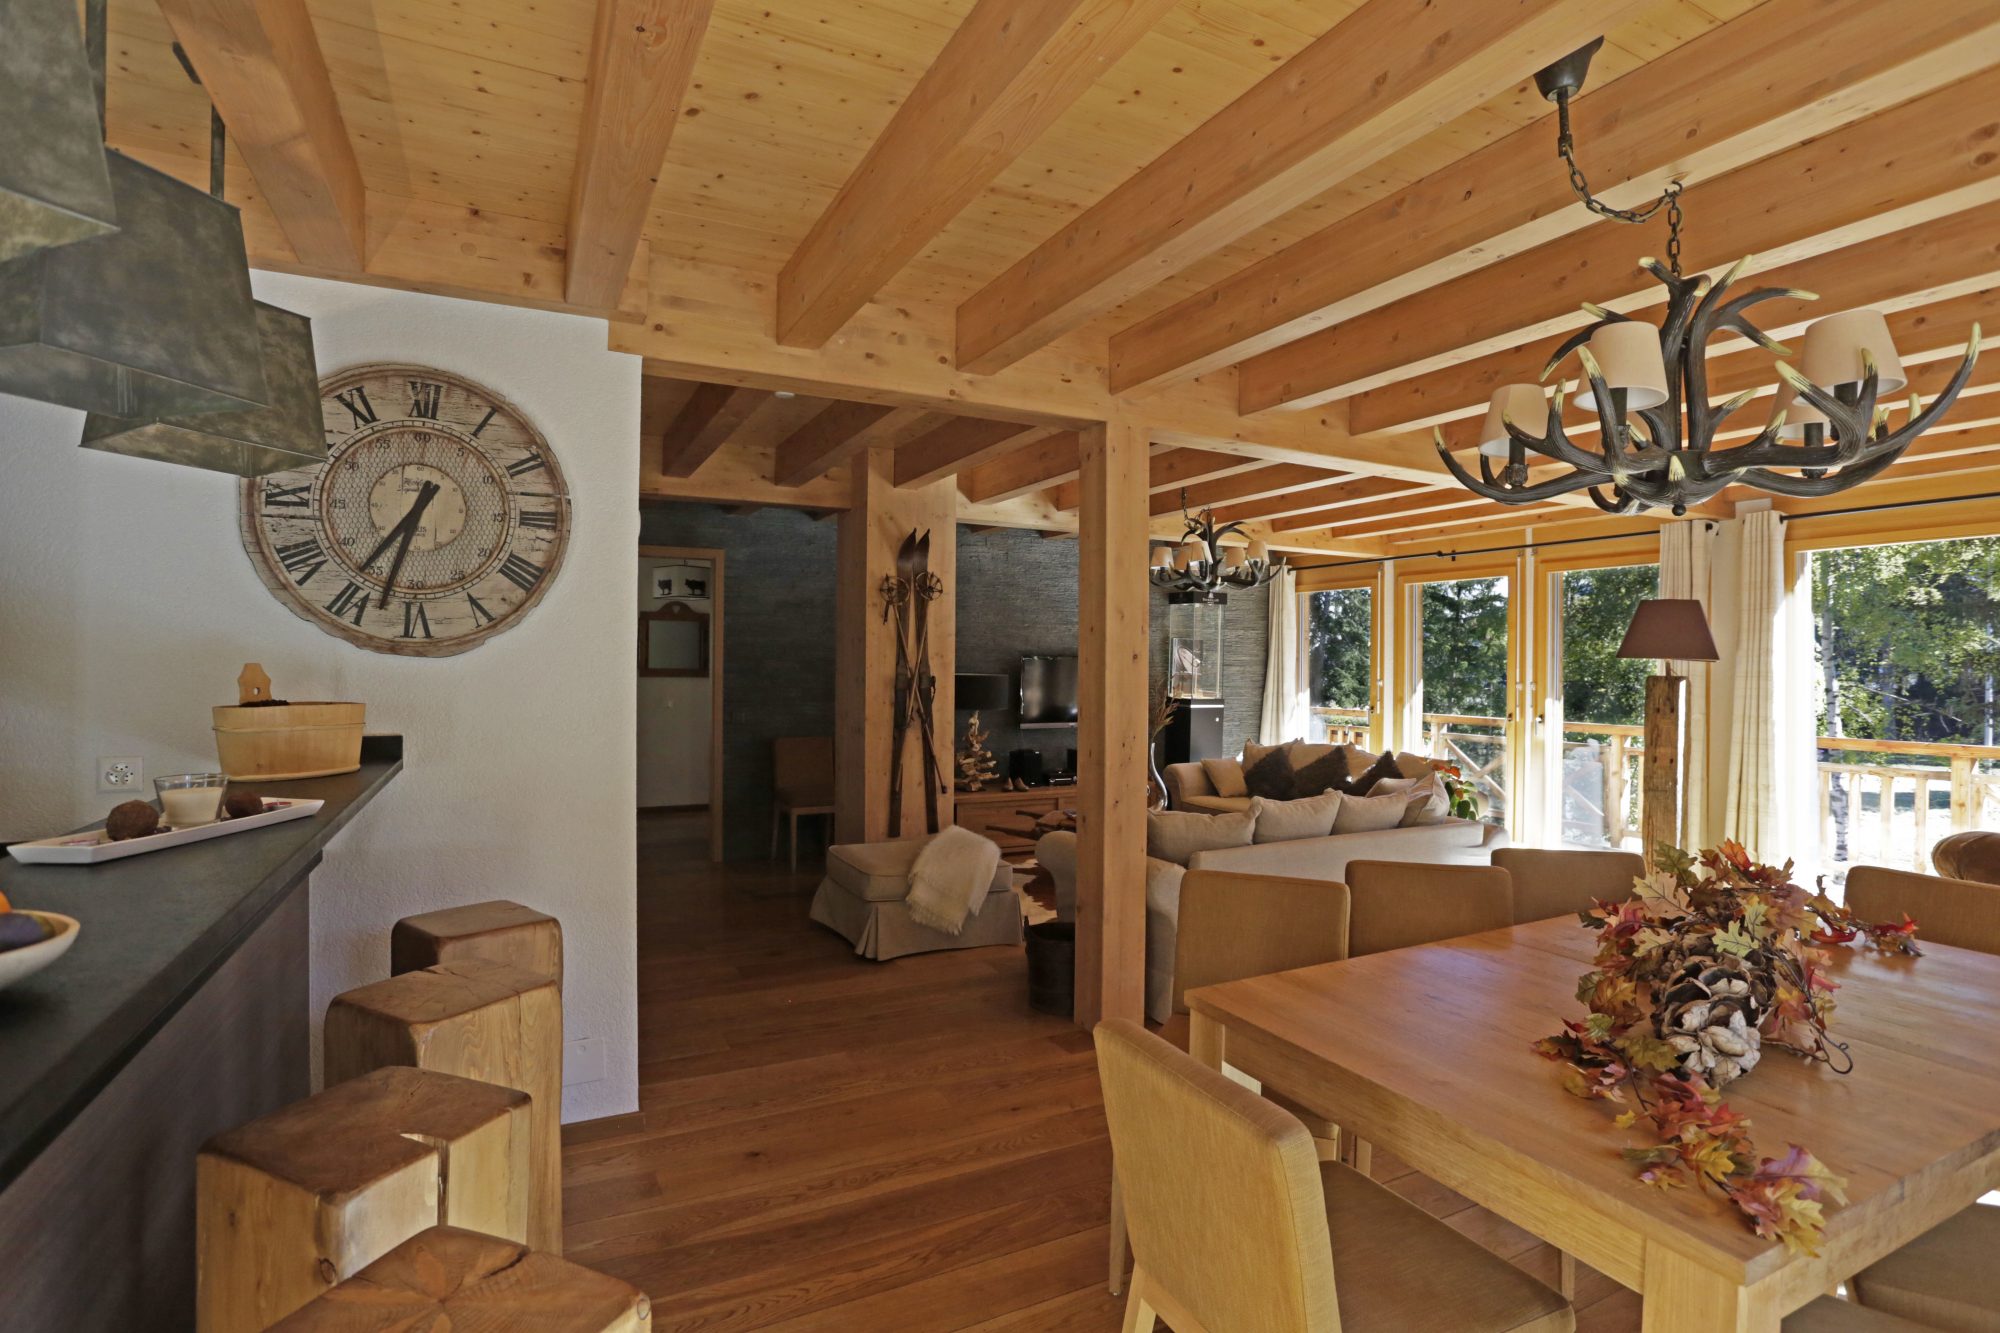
x=1234 y=926
x=1551 y=883
x=1397 y=905
x=1948 y=1277
x=1238 y=1228
x=1957 y=912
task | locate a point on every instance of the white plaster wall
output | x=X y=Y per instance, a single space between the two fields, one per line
x=127 y=606
x=674 y=716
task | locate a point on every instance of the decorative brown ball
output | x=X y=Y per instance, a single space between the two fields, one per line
x=241 y=804
x=132 y=819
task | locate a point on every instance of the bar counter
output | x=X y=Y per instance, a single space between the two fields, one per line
x=180 y=1011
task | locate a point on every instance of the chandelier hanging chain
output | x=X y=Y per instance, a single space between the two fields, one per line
x=1670 y=197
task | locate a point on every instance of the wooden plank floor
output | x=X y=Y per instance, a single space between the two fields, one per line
x=830 y=1144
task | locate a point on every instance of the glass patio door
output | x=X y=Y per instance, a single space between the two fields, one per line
x=1592 y=724
x=1339 y=634
x=1461 y=681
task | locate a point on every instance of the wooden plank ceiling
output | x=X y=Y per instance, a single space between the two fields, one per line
x=1291 y=236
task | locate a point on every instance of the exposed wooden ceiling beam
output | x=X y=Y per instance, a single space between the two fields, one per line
x=1424 y=502
x=1008 y=72
x=965 y=442
x=261 y=66
x=840 y=432
x=1320 y=500
x=1385 y=75
x=1859 y=182
x=712 y=414
x=1917 y=266
x=1170 y=469
x=641 y=57
x=1477 y=512
x=1273 y=479
x=1779 y=74
x=1039 y=466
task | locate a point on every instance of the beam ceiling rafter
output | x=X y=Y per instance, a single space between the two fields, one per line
x=712 y=414
x=839 y=433
x=1007 y=73
x=1321 y=500
x=1274 y=479
x=1854 y=184
x=1170 y=469
x=1385 y=75
x=1041 y=466
x=262 y=67
x=1920 y=266
x=1780 y=73
x=642 y=57
x=960 y=445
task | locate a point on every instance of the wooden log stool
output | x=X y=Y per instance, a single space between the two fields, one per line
x=294 y=1201
x=494 y=932
x=448 y=1278
x=476 y=1019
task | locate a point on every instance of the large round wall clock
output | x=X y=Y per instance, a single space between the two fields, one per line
x=438 y=519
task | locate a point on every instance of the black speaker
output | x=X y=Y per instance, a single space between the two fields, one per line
x=1027 y=766
x=1194 y=733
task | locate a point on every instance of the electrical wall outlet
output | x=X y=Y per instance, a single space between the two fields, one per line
x=583 y=1061
x=126 y=775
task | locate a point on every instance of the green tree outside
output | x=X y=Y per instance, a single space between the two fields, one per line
x=1339 y=629
x=1597 y=606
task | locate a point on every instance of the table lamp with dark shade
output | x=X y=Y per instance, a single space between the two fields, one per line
x=1672 y=629
x=976 y=694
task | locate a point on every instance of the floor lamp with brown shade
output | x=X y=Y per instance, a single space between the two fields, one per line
x=1672 y=629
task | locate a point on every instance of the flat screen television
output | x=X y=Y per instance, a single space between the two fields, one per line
x=1048 y=691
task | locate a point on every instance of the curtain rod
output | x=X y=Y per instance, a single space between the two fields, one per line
x=1626 y=536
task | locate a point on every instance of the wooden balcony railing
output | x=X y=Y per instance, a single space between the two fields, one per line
x=1851 y=834
x=1601 y=807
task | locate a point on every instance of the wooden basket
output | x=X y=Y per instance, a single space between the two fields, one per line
x=281 y=742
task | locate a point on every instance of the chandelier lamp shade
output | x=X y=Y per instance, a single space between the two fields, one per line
x=54 y=185
x=1831 y=427
x=1202 y=567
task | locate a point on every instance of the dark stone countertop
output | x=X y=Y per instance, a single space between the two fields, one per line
x=153 y=929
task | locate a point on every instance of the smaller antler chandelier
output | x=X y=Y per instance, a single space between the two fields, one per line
x=1201 y=568
x=1649 y=388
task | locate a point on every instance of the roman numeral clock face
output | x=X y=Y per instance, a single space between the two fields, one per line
x=438 y=519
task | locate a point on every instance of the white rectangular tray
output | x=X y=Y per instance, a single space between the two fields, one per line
x=87 y=849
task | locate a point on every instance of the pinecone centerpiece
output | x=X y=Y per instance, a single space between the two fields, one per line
x=1709 y=964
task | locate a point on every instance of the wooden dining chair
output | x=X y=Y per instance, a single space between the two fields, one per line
x=1948 y=1277
x=1958 y=912
x=801 y=784
x=1398 y=905
x=1550 y=883
x=1236 y=1225
x=1234 y=926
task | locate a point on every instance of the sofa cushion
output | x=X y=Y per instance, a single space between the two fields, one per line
x=1362 y=784
x=1226 y=776
x=1369 y=814
x=1217 y=805
x=1322 y=773
x=1407 y=765
x=1267 y=771
x=1430 y=803
x=1307 y=817
x=1173 y=835
x=1454 y=842
x=879 y=872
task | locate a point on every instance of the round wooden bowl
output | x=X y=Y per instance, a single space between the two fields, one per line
x=32 y=958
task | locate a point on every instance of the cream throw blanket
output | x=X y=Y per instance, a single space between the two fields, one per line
x=948 y=883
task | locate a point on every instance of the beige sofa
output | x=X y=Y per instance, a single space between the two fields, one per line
x=1190 y=788
x=1450 y=842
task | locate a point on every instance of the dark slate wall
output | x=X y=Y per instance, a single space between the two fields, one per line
x=777 y=663
x=1016 y=594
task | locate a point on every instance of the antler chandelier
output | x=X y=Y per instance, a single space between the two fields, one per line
x=1649 y=387
x=1200 y=568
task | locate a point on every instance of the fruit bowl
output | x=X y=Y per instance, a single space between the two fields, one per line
x=32 y=958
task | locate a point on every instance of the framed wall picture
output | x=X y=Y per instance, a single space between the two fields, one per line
x=673 y=641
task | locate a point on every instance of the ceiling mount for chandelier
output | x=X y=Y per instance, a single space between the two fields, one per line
x=1649 y=386
x=1200 y=568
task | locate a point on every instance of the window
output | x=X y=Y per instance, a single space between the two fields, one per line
x=1908 y=726
x=1603 y=703
x=1462 y=632
x=1339 y=634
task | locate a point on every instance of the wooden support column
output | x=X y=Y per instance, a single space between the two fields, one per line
x=872 y=530
x=1113 y=606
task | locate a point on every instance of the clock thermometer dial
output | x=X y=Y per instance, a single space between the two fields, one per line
x=438 y=519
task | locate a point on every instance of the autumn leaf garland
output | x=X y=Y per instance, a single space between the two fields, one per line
x=1710 y=962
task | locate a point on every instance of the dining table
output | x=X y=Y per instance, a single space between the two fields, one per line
x=1428 y=1053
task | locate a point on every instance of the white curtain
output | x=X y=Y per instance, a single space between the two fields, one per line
x=1284 y=716
x=1755 y=815
x=1686 y=552
x=1773 y=755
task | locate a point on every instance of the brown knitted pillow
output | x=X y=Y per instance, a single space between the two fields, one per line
x=1267 y=772
x=1384 y=767
x=1324 y=774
